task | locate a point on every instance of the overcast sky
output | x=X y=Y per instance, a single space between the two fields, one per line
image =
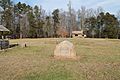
x=111 y=6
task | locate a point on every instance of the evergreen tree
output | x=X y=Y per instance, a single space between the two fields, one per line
x=56 y=21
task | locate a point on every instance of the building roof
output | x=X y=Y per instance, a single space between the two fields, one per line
x=1 y=9
x=3 y=29
x=77 y=32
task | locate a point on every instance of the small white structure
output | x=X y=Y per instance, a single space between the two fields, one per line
x=78 y=34
x=65 y=50
x=4 y=44
x=3 y=29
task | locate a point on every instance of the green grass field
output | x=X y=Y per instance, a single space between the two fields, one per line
x=99 y=59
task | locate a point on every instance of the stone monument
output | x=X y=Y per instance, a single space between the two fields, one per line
x=65 y=50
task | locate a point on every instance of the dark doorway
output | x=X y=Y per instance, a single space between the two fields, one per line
x=76 y=34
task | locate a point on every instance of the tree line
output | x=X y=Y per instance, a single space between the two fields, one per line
x=25 y=21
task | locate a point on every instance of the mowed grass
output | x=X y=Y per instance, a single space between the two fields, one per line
x=99 y=59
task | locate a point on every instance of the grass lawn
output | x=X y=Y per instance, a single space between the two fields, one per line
x=99 y=60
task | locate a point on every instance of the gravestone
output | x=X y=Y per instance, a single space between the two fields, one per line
x=65 y=49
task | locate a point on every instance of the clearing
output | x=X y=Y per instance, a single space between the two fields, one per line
x=99 y=60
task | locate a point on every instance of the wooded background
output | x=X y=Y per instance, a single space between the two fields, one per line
x=25 y=21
